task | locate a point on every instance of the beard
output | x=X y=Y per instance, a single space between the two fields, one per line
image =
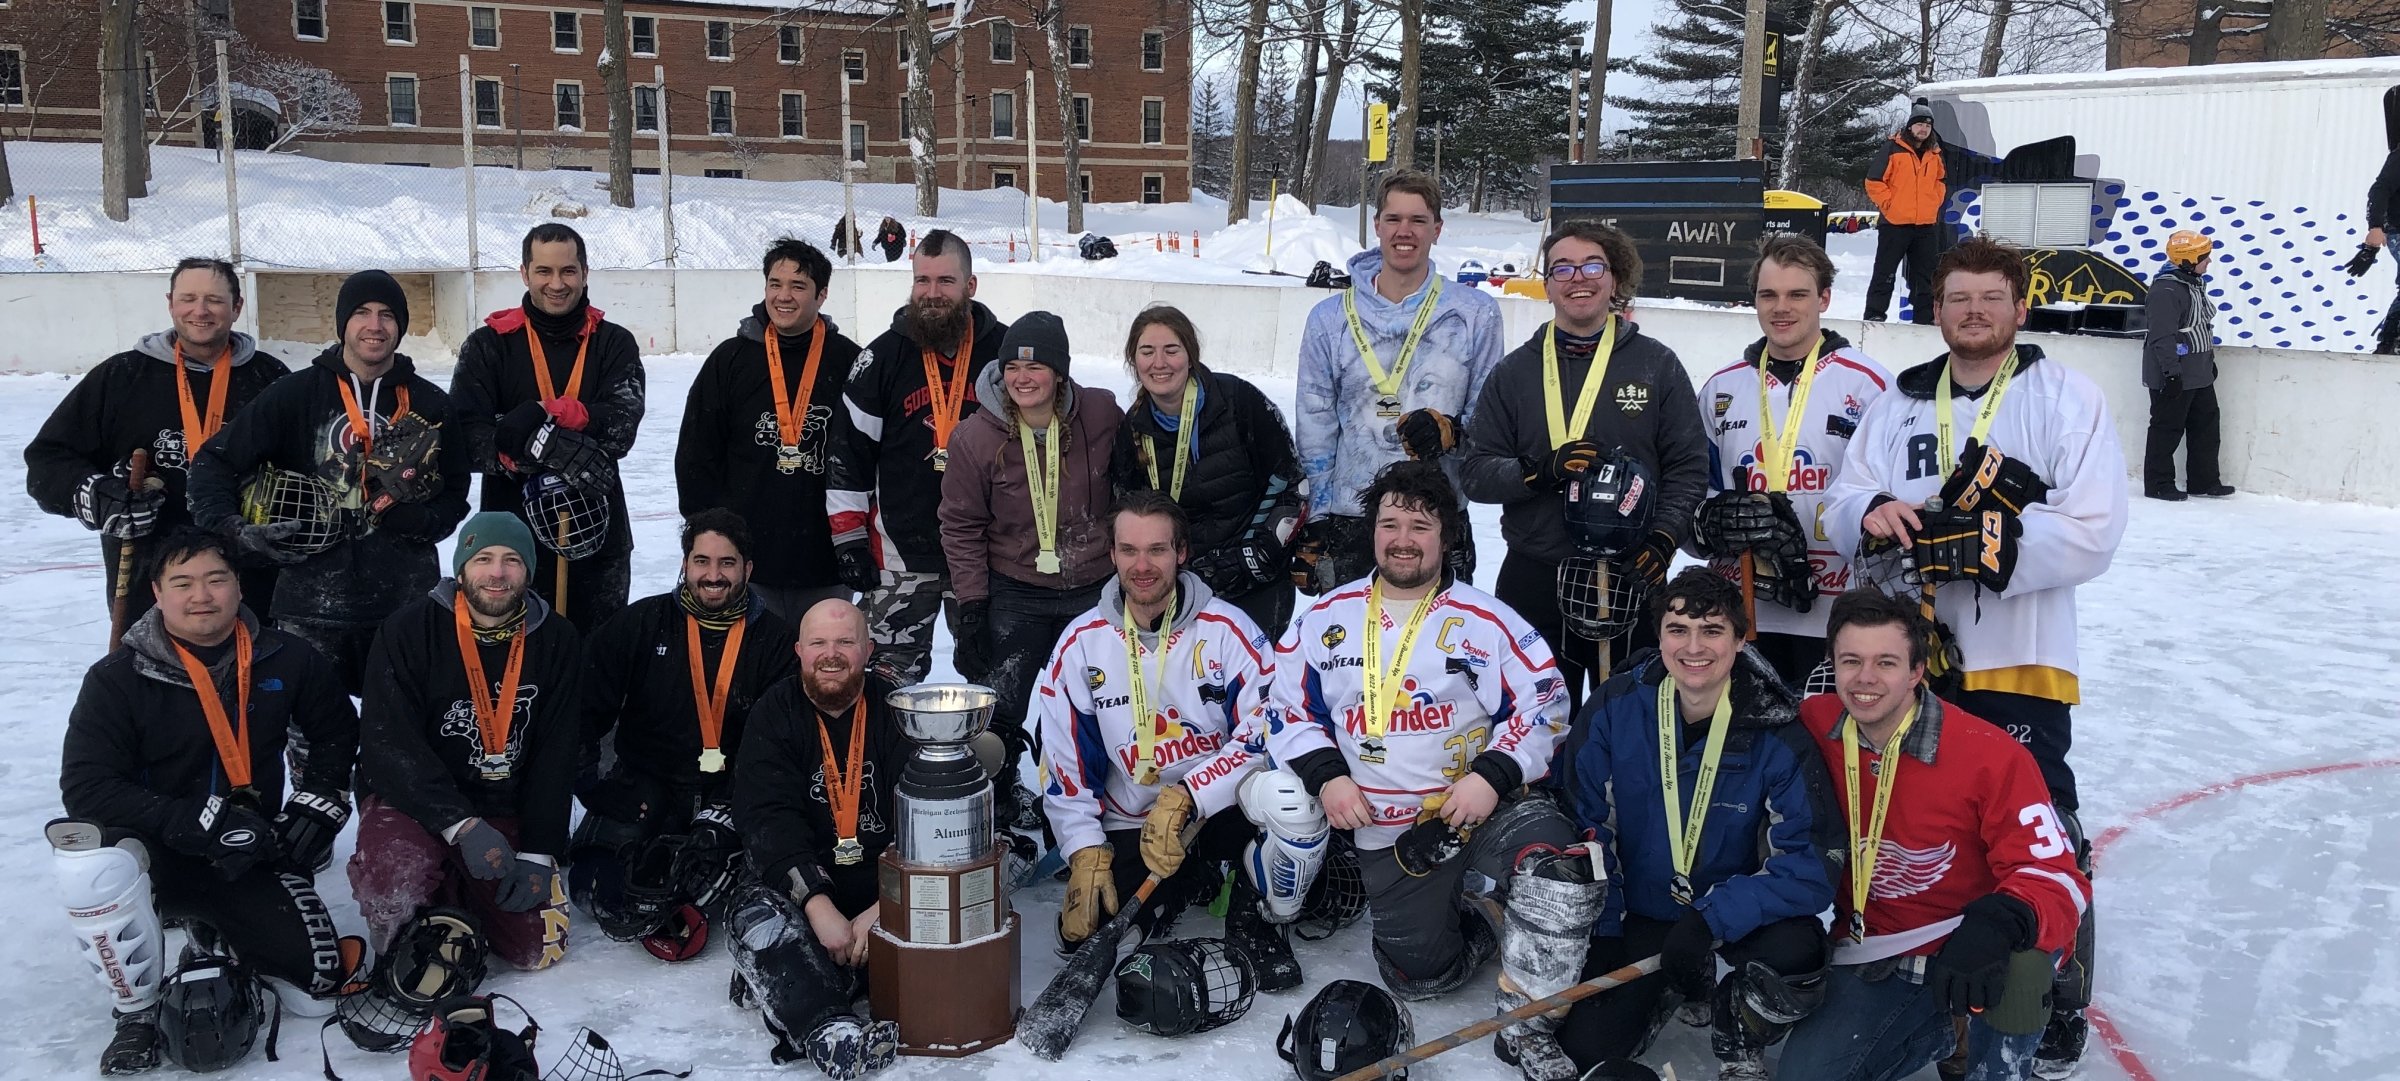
x=499 y=609
x=734 y=590
x=833 y=689
x=934 y=324
x=1422 y=572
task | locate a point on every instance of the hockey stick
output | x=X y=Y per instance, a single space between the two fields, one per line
x=560 y=591
x=1741 y=479
x=137 y=475
x=1050 y=1024
x=1600 y=663
x=1396 y=1063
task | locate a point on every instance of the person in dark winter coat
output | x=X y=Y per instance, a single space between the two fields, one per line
x=1523 y=448
x=166 y=395
x=892 y=238
x=1909 y=184
x=469 y=738
x=549 y=398
x=1234 y=471
x=759 y=426
x=1750 y=783
x=673 y=772
x=145 y=759
x=2383 y=230
x=904 y=402
x=813 y=803
x=845 y=236
x=2179 y=366
x=351 y=552
x=1025 y=522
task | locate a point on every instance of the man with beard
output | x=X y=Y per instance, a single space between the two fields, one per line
x=758 y=430
x=1388 y=370
x=673 y=677
x=2010 y=514
x=901 y=407
x=814 y=803
x=288 y=481
x=549 y=398
x=174 y=754
x=1416 y=708
x=166 y=395
x=1151 y=717
x=471 y=730
x=1782 y=418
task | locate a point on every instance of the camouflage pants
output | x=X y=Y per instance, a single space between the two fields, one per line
x=900 y=616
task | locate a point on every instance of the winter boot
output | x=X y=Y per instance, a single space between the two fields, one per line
x=1619 y=1069
x=1553 y=897
x=847 y=1047
x=794 y=983
x=134 y=1048
x=1754 y=1007
x=1741 y=1052
x=1246 y=928
x=2062 y=1045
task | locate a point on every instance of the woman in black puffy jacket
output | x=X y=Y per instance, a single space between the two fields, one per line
x=1222 y=451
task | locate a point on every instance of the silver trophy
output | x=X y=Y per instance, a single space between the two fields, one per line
x=944 y=798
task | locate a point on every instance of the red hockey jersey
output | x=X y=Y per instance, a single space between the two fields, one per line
x=1970 y=817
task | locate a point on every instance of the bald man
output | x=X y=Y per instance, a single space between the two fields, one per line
x=814 y=824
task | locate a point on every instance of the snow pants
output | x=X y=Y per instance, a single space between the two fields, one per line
x=1919 y=246
x=1884 y=1026
x=900 y=615
x=400 y=867
x=1618 y=1024
x=1416 y=920
x=272 y=920
x=2188 y=417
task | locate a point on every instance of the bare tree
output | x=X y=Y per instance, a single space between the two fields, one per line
x=1804 y=75
x=1603 y=20
x=1995 y=33
x=1412 y=47
x=1245 y=112
x=2296 y=30
x=1340 y=51
x=314 y=102
x=613 y=82
x=121 y=174
x=1051 y=16
x=923 y=154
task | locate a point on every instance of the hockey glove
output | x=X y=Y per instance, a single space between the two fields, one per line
x=1239 y=568
x=404 y=466
x=1162 y=830
x=2365 y=259
x=1564 y=464
x=1959 y=546
x=1971 y=971
x=854 y=565
x=306 y=830
x=1427 y=434
x=574 y=456
x=1308 y=549
x=487 y=854
x=1688 y=958
x=1985 y=471
x=1091 y=893
x=232 y=837
x=264 y=543
x=526 y=887
x=1430 y=842
x=108 y=503
x=416 y=521
x=1733 y=522
x=974 y=656
x=1652 y=559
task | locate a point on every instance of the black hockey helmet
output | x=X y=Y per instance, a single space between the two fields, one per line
x=648 y=894
x=1611 y=506
x=1348 y=1026
x=466 y=1043
x=1185 y=986
x=1339 y=895
x=209 y=1013
x=438 y=956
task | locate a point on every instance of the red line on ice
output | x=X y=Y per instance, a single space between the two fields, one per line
x=41 y=567
x=2124 y=1053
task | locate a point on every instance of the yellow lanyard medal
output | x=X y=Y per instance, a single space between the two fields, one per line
x=1563 y=429
x=1865 y=847
x=1387 y=385
x=1145 y=726
x=1184 y=438
x=1042 y=486
x=1983 y=417
x=1384 y=685
x=1683 y=833
x=1776 y=449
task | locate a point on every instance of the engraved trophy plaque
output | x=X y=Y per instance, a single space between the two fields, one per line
x=943 y=962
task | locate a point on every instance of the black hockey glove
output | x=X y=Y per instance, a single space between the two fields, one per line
x=232 y=837
x=487 y=854
x=1971 y=971
x=1308 y=549
x=263 y=543
x=1430 y=841
x=516 y=429
x=1237 y=569
x=108 y=503
x=1733 y=522
x=525 y=887
x=1984 y=471
x=974 y=656
x=577 y=457
x=306 y=830
x=2365 y=259
x=1960 y=546
x=1652 y=559
x=1427 y=434
x=1564 y=464
x=855 y=567
x=1688 y=958
x=416 y=521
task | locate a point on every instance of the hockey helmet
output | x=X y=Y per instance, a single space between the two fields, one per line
x=1598 y=600
x=1185 y=986
x=1610 y=507
x=209 y=1013
x=273 y=496
x=438 y=956
x=466 y=1043
x=641 y=903
x=680 y=936
x=565 y=519
x=2186 y=248
x=1339 y=895
x=1348 y=1026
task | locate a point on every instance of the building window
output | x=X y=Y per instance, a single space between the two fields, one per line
x=566 y=32
x=1083 y=187
x=645 y=170
x=487 y=103
x=722 y=174
x=1154 y=120
x=483 y=27
x=1004 y=43
x=150 y=80
x=400 y=93
x=573 y=168
x=720 y=111
x=399 y=23
x=1004 y=116
x=787 y=44
x=1083 y=118
x=1004 y=178
x=308 y=19
x=904 y=50
x=645 y=108
x=1079 y=46
x=570 y=106
x=720 y=39
x=858 y=141
x=12 y=76
x=854 y=64
x=908 y=125
x=1154 y=50
x=1154 y=188
x=645 y=35
x=795 y=115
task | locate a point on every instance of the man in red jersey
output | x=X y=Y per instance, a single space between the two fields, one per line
x=1958 y=864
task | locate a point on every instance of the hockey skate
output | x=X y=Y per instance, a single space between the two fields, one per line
x=1270 y=953
x=2062 y=1047
x=1553 y=898
x=135 y=1047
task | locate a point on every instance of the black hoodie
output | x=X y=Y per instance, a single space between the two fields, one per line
x=639 y=688
x=780 y=805
x=495 y=375
x=725 y=455
x=883 y=476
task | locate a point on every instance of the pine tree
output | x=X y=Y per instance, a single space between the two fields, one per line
x=1271 y=143
x=1493 y=81
x=1212 y=139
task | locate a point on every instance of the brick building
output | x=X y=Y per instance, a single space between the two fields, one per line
x=751 y=86
x=2160 y=33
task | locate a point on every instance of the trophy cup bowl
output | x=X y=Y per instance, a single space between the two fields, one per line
x=943 y=717
x=944 y=796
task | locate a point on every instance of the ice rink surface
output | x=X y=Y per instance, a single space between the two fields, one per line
x=2249 y=931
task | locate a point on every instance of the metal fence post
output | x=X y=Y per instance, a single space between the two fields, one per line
x=466 y=143
x=849 y=200
x=233 y=200
x=666 y=168
x=1033 y=173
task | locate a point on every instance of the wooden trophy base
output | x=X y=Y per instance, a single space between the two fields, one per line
x=949 y=1001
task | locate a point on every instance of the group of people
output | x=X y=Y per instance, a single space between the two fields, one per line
x=1586 y=767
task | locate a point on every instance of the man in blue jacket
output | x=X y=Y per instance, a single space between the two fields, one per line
x=1693 y=887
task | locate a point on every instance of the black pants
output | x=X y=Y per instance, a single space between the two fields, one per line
x=1919 y=246
x=345 y=644
x=1221 y=840
x=1793 y=656
x=597 y=585
x=1617 y=1024
x=2045 y=728
x=1269 y=606
x=1024 y=624
x=273 y=921
x=2188 y=417
x=1530 y=586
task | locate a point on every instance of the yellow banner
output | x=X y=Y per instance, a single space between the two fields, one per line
x=1379 y=132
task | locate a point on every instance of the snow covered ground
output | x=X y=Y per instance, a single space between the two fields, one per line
x=2247 y=935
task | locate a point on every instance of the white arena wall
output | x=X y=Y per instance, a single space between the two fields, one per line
x=2303 y=424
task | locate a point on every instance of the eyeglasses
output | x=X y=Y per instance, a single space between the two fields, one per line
x=1590 y=272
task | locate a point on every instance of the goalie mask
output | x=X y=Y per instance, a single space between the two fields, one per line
x=564 y=518
x=1183 y=987
x=466 y=1043
x=273 y=496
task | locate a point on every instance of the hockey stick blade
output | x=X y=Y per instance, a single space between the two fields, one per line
x=1050 y=1024
x=1480 y=1029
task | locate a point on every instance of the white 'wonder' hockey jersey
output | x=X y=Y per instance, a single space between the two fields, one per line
x=1206 y=687
x=1479 y=683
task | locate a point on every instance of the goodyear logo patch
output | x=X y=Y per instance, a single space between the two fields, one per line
x=1094 y=678
x=1334 y=636
x=1724 y=402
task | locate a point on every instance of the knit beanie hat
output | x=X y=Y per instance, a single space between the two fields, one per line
x=492 y=528
x=1039 y=337
x=364 y=288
